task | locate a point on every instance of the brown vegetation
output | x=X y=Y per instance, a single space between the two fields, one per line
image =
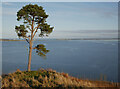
x=50 y=78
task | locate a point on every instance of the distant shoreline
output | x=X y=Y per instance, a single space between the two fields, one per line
x=10 y=40
x=64 y=39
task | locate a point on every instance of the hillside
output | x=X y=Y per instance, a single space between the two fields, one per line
x=49 y=78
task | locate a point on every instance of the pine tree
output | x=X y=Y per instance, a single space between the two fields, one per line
x=34 y=20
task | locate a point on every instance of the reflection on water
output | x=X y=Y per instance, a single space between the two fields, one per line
x=83 y=59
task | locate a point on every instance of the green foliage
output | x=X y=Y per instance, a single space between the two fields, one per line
x=36 y=14
x=45 y=29
x=30 y=74
x=34 y=19
x=41 y=50
x=29 y=11
x=21 y=31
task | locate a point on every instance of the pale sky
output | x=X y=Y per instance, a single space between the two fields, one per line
x=70 y=19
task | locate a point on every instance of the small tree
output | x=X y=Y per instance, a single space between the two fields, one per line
x=34 y=20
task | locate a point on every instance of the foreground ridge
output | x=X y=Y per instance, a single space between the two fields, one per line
x=50 y=78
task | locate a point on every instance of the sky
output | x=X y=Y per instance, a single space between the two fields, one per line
x=69 y=19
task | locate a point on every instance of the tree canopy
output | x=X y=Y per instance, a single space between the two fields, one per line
x=32 y=15
x=34 y=20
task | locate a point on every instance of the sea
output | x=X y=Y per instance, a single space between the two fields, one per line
x=84 y=59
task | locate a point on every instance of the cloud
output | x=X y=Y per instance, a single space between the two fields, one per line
x=67 y=16
x=8 y=13
x=9 y=8
x=104 y=10
x=85 y=34
x=7 y=3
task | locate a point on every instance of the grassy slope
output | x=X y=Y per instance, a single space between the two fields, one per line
x=48 y=78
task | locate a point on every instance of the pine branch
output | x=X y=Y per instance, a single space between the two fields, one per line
x=36 y=30
x=27 y=40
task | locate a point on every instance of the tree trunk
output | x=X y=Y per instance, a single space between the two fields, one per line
x=30 y=46
x=30 y=55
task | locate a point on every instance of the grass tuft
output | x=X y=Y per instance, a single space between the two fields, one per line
x=49 y=78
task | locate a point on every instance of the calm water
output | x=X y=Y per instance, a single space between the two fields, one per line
x=79 y=58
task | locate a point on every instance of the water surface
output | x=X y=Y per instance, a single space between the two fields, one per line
x=79 y=58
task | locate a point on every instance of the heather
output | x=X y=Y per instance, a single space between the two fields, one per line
x=49 y=78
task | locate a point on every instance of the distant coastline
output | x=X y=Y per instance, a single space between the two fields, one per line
x=64 y=39
x=11 y=40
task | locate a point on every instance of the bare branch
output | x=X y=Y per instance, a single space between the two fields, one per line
x=36 y=28
x=34 y=48
x=26 y=37
x=35 y=33
x=29 y=29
